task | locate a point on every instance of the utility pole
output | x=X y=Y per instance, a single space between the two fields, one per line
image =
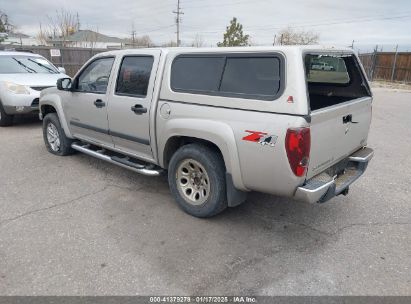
x=374 y=63
x=394 y=64
x=178 y=21
x=78 y=22
x=133 y=35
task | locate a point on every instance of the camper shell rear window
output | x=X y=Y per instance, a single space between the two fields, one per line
x=333 y=79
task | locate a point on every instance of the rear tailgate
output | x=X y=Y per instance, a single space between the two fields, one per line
x=337 y=132
x=340 y=101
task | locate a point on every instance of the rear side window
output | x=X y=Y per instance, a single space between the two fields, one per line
x=231 y=75
x=134 y=75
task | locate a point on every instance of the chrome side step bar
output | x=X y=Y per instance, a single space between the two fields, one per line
x=149 y=170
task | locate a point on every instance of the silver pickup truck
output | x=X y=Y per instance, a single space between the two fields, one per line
x=221 y=121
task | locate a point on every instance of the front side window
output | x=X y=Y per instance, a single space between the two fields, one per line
x=94 y=78
x=134 y=75
x=26 y=64
x=242 y=76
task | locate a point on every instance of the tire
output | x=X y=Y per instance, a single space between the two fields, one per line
x=5 y=119
x=201 y=169
x=54 y=136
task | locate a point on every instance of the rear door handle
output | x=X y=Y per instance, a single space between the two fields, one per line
x=99 y=103
x=139 y=109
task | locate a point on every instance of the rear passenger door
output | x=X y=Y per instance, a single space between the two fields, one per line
x=130 y=103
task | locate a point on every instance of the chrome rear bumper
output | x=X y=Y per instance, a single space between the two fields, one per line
x=326 y=185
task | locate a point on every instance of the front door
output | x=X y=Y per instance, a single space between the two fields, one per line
x=87 y=103
x=130 y=101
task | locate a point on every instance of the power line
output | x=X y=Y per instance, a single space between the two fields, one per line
x=227 y=4
x=307 y=24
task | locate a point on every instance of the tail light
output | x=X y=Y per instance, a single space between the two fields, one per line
x=297 y=145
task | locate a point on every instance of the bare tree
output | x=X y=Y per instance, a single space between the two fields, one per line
x=91 y=38
x=136 y=42
x=198 y=41
x=289 y=36
x=42 y=36
x=60 y=25
x=171 y=43
x=144 y=41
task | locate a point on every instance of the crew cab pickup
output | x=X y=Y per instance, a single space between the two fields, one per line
x=221 y=121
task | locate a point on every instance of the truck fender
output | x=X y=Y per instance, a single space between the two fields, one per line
x=218 y=133
x=54 y=101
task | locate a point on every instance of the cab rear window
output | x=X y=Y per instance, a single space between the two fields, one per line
x=250 y=76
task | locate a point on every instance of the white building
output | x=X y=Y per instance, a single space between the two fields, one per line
x=14 y=39
x=88 y=39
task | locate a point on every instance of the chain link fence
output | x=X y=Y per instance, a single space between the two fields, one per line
x=387 y=66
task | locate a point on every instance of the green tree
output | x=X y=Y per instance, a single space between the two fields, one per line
x=234 y=35
x=2 y=27
x=2 y=17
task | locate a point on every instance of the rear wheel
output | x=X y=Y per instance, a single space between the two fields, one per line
x=5 y=119
x=197 y=180
x=54 y=137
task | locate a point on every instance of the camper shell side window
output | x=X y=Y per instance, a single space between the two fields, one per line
x=249 y=76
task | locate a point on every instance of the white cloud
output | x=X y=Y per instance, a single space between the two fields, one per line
x=338 y=22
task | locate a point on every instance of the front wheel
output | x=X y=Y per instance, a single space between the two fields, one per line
x=196 y=177
x=54 y=137
x=5 y=119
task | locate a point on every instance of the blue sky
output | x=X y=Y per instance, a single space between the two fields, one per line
x=368 y=22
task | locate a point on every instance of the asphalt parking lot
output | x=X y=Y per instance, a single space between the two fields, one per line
x=78 y=226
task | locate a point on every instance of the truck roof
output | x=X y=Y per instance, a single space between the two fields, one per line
x=285 y=49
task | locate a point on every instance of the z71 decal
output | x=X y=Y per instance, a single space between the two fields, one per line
x=261 y=138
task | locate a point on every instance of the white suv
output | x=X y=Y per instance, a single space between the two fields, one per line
x=22 y=77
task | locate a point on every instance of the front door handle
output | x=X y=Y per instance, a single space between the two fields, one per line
x=99 y=103
x=138 y=109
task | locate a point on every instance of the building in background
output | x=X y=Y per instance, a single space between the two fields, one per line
x=87 y=39
x=16 y=38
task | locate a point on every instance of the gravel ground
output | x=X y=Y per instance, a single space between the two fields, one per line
x=78 y=226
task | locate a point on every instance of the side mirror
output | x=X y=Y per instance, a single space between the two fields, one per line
x=62 y=70
x=64 y=84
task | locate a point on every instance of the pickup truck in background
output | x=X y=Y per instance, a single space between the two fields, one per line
x=221 y=121
x=324 y=66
